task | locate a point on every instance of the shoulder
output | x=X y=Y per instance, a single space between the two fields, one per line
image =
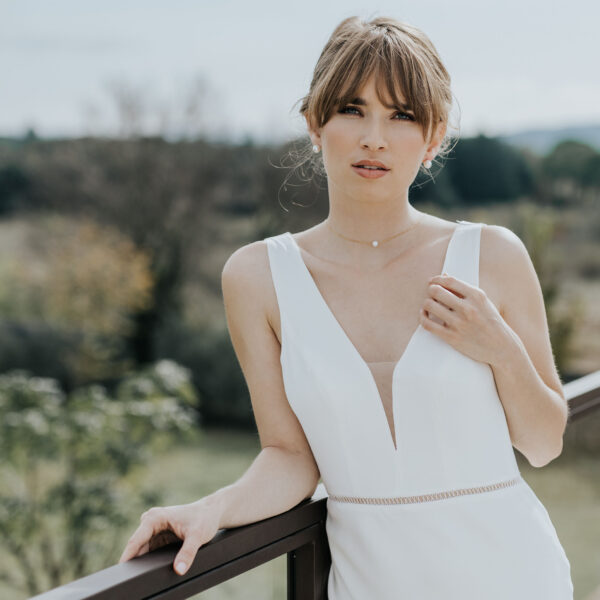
x=506 y=265
x=522 y=301
x=247 y=268
x=246 y=279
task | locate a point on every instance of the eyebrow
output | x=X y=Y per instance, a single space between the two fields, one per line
x=362 y=102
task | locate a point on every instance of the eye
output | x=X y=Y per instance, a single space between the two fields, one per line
x=346 y=110
x=410 y=117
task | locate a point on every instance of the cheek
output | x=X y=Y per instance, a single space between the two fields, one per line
x=339 y=134
x=341 y=143
x=409 y=140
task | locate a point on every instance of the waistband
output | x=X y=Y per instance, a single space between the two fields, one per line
x=428 y=497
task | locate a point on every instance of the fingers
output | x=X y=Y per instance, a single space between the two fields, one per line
x=137 y=541
x=187 y=553
x=153 y=521
x=157 y=530
x=143 y=550
x=162 y=539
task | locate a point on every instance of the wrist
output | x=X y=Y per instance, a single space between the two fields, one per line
x=508 y=349
x=216 y=504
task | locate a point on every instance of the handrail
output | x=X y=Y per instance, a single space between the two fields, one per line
x=583 y=395
x=300 y=532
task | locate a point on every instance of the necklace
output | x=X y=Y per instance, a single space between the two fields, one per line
x=375 y=243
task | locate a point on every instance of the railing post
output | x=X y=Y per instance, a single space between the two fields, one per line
x=308 y=568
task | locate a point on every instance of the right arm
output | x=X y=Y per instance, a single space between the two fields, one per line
x=285 y=472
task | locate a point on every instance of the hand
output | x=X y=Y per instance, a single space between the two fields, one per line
x=195 y=523
x=464 y=317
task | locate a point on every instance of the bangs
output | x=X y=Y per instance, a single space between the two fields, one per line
x=399 y=80
x=408 y=73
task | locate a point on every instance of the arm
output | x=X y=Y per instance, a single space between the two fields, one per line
x=525 y=373
x=284 y=472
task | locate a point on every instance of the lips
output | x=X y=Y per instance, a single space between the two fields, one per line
x=370 y=173
x=374 y=164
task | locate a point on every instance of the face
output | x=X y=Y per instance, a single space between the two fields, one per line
x=366 y=129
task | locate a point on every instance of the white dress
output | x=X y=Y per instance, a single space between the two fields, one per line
x=446 y=514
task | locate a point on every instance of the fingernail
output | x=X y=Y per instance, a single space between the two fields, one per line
x=180 y=568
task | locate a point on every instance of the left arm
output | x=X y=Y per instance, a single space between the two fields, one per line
x=514 y=340
x=525 y=373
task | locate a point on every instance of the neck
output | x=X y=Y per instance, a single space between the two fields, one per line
x=369 y=221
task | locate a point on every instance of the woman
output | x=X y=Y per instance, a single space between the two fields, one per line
x=396 y=355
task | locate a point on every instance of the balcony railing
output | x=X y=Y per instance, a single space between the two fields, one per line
x=299 y=532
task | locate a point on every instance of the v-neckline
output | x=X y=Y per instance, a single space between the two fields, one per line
x=346 y=339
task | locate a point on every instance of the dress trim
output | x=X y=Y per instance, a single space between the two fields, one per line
x=428 y=497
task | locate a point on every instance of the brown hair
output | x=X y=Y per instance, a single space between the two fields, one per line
x=402 y=58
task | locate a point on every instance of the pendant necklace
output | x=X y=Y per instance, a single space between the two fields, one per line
x=375 y=243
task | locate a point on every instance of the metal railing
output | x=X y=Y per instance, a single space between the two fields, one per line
x=299 y=532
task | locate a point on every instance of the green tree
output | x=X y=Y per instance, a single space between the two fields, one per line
x=483 y=169
x=568 y=166
x=590 y=176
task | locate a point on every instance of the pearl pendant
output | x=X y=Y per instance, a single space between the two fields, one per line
x=374 y=243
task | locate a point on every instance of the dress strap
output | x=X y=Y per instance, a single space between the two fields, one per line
x=284 y=273
x=462 y=260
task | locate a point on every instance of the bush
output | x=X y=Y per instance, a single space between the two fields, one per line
x=64 y=495
x=216 y=373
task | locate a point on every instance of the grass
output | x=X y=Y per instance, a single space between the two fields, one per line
x=569 y=488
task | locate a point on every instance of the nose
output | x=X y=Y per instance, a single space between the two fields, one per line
x=372 y=136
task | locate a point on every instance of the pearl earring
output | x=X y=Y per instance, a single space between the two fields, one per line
x=316 y=149
x=427 y=164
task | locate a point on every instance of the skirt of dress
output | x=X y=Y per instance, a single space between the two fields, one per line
x=496 y=545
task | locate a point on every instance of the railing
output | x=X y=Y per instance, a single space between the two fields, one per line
x=299 y=532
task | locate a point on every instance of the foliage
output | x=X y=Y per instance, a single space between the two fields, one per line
x=63 y=496
x=486 y=169
x=14 y=186
x=209 y=354
x=568 y=160
x=85 y=280
x=537 y=229
x=572 y=168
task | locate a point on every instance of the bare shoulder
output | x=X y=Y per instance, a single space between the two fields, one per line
x=512 y=272
x=247 y=266
x=247 y=294
x=504 y=264
x=246 y=277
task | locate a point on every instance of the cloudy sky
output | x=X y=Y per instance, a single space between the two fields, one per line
x=516 y=64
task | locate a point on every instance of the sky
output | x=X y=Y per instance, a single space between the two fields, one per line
x=515 y=64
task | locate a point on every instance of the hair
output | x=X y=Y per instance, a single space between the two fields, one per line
x=403 y=60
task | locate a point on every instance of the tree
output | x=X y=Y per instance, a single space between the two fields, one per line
x=568 y=166
x=85 y=280
x=14 y=185
x=483 y=169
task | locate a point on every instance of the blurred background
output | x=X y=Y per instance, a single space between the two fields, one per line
x=141 y=143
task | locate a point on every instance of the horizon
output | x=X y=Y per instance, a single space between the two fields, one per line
x=74 y=59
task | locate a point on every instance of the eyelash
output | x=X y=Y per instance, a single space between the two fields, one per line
x=343 y=111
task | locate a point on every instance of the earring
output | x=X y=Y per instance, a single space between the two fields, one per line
x=427 y=164
x=316 y=149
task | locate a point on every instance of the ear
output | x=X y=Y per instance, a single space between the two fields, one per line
x=315 y=134
x=436 y=141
